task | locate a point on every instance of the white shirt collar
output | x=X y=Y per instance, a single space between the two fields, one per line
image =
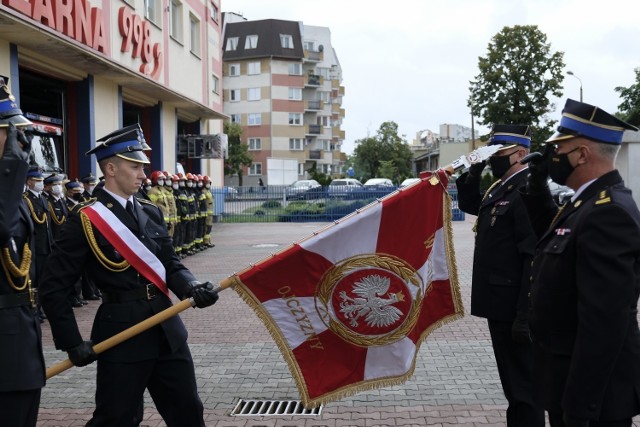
x=120 y=199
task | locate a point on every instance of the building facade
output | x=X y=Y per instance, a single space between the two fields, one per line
x=282 y=84
x=83 y=68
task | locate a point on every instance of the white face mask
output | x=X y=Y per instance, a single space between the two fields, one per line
x=38 y=186
x=208 y=186
x=90 y=189
x=199 y=185
x=56 y=189
x=176 y=186
x=182 y=184
x=160 y=182
x=189 y=184
x=147 y=187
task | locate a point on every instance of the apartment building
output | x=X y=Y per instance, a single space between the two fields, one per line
x=81 y=69
x=282 y=84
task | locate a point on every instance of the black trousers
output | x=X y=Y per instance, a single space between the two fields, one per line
x=19 y=408
x=515 y=367
x=555 y=420
x=171 y=382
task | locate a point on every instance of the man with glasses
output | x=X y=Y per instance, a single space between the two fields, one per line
x=585 y=275
x=504 y=246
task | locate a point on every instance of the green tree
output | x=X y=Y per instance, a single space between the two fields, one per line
x=516 y=79
x=238 y=151
x=386 y=146
x=629 y=110
x=322 y=178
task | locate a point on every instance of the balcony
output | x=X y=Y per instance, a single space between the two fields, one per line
x=313 y=56
x=314 y=80
x=315 y=155
x=313 y=105
x=313 y=129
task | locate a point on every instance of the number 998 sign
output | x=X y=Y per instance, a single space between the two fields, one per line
x=136 y=32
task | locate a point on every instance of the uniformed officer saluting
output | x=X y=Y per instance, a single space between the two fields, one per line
x=22 y=372
x=586 y=275
x=129 y=257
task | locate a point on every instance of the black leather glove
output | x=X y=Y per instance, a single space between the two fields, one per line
x=82 y=354
x=12 y=149
x=475 y=170
x=537 y=182
x=520 y=329
x=569 y=421
x=202 y=293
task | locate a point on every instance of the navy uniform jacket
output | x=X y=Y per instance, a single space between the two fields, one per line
x=58 y=212
x=584 y=296
x=505 y=242
x=21 y=361
x=73 y=254
x=43 y=237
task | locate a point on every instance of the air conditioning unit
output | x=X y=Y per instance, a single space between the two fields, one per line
x=205 y=146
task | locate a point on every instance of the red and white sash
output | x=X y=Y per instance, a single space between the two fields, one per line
x=128 y=244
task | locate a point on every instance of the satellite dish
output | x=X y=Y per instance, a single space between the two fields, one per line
x=320 y=48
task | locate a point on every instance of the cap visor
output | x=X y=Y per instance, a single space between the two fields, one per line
x=17 y=120
x=135 y=156
x=505 y=147
x=559 y=136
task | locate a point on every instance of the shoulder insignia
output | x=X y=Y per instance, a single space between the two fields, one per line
x=82 y=205
x=603 y=198
x=148 y=202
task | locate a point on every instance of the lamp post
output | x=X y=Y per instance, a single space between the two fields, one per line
x=571 y=74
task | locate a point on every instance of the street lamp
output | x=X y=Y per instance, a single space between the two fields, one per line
x=571 y=74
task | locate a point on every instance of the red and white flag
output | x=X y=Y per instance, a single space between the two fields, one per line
x=350 y=305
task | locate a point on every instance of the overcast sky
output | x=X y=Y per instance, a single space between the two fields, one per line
x=411 y=61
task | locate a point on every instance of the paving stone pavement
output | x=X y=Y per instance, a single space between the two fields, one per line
x=455 y=382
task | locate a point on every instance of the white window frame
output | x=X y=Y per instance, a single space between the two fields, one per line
x=232 y=44
x=296 y=144
x=215 y=84
x=255 y=169
x=254 y=119
x=176 y=20
x=152 y=11
x=234 y=95
x=300 y=169
x=324 y=121
x=286 y=41
x=215 y=13
x=235 y=118
x=194 y=35
x=255 y=144
x=295 y=69
x=295 y=119
x=234 y=70
x=325 y=96
x=253 y=94
x=253 y=68
x=295 y=94
x=251 y=41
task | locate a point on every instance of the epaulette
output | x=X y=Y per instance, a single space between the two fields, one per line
x=148 y=202
x=603 y=197
x=82 y=205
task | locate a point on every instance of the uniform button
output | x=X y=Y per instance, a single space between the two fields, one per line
x=531 y=278
x=142 y=237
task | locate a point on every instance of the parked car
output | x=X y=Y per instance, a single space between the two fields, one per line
x=230 y=193
x=379 y=187
x=560 y=193
x=349 y=188
x=304 y=189
x=408 y=182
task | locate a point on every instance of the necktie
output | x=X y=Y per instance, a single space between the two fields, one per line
x=130 y=210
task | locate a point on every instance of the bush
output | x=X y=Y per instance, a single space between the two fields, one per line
x=272 y=204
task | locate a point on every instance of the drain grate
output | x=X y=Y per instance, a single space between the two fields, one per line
x=263 y=408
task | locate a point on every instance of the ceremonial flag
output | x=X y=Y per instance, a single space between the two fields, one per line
x=350 y=305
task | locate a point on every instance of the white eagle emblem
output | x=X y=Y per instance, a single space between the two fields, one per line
x=378 y=312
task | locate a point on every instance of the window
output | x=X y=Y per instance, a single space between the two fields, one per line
x=310 y=46
x=255 y=144
x=215 y=84
x=214 y=12
x=324 y=72
x=234 y=69
x=152 y=10
x=251 y=42
x=255 y=119
x=295 y=144
x=253 y=68
x=254 y=94
x=255 y=169
x=194 y=24
x=232 y=43
x=324 y=96
x=295 y=69
x=286 y=41
x=324 y=121
x=234 y=95
x=295 y=119
x=295 y=93
x=300 y=168
x=235 y=118
x=326 y=144
x=176 y=20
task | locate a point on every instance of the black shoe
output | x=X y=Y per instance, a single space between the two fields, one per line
x=75 y=302
x=92 y=298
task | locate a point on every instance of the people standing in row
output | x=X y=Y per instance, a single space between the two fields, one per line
x=585 y=275
x=158 y=359
x=22 y=368
x=504 y=246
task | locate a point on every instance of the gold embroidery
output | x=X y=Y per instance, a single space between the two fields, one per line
x=54 y=217
x=11 y=270
x=34 y=215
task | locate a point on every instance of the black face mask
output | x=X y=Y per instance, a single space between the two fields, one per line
x=500 y=165
x=77 y=197
x=560 y=167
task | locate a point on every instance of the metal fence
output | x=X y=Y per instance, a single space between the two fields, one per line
x=278 y=204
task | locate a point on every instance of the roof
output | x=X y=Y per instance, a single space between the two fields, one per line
x=269 y=45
